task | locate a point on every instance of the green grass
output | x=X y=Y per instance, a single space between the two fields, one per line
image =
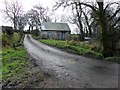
x=13 y=61
x=74 y=35
x=19 y=72
x=80 y=48
x=15 y=69
x=36 y=37
x=113 y=59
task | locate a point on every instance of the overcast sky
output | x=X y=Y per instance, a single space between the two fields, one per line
x=27 y=5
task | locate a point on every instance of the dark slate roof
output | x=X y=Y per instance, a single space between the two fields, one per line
x=54 y=26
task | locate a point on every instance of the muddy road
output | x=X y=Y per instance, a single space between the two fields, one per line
x=70 y=70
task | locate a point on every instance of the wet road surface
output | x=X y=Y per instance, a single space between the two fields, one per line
x=70 y=70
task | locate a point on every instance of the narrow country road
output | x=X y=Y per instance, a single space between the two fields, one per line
x=70 y=70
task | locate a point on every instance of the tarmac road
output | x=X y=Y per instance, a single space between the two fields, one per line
x=70 y=70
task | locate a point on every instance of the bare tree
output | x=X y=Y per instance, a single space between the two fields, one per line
x=21 y=22
x=108 y=24
x=43 y=13
x=32 y=19
x=36 y=16
x=76 y=7
x=87 y=22
x=12 y=11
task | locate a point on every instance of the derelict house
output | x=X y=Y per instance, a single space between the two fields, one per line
x=50 y=30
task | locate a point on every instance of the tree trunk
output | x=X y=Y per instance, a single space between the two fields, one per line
x=87 y=22
x=32 y=28
x=29 y=28
x=79 y=14
x=107 y=47
x=15 y=23
x=82 y=35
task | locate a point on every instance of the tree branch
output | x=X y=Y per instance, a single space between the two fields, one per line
x=114 y=14
x=109 y=5
x=116 y=22
x=90 y=6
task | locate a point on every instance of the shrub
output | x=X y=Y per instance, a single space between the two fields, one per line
x=8 y=30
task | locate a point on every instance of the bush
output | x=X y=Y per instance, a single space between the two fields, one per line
x=10 y=41
x=8 y=30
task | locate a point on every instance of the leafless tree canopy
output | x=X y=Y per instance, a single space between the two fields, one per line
x=103 y=15
x=37 y=15
x=13 y=10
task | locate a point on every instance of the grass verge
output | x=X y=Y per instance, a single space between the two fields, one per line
x=16 y=70
x=74 y=47
x=80 y=48
x=13 y=62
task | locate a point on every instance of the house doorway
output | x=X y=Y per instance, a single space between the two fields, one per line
x=62 y=35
